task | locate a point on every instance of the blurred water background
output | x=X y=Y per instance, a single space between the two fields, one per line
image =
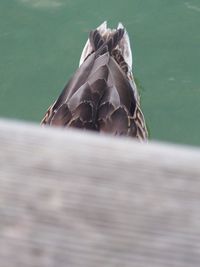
x=41 y=42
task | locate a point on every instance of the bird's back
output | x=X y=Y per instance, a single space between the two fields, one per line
x=102 y=95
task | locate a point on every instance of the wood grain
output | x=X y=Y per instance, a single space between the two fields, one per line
x=70 y=198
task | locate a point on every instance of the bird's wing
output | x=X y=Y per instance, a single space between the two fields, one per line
x=85 y=88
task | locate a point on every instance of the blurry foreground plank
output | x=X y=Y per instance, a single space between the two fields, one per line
x=69 y=198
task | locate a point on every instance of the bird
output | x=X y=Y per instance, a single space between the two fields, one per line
x=102 y=94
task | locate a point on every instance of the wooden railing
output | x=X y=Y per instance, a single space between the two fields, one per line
x=70 y=198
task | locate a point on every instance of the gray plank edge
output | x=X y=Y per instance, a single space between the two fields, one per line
x=70 y=198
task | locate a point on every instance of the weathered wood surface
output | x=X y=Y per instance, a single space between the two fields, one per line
x=70 y=198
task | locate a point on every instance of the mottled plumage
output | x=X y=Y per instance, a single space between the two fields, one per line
x=102 y=94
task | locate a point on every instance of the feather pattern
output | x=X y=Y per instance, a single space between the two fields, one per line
x=102 y=94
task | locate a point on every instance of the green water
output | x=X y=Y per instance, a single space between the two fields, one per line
x=41 y=42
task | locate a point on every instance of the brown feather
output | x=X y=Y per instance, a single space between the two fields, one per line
x=100 y=96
